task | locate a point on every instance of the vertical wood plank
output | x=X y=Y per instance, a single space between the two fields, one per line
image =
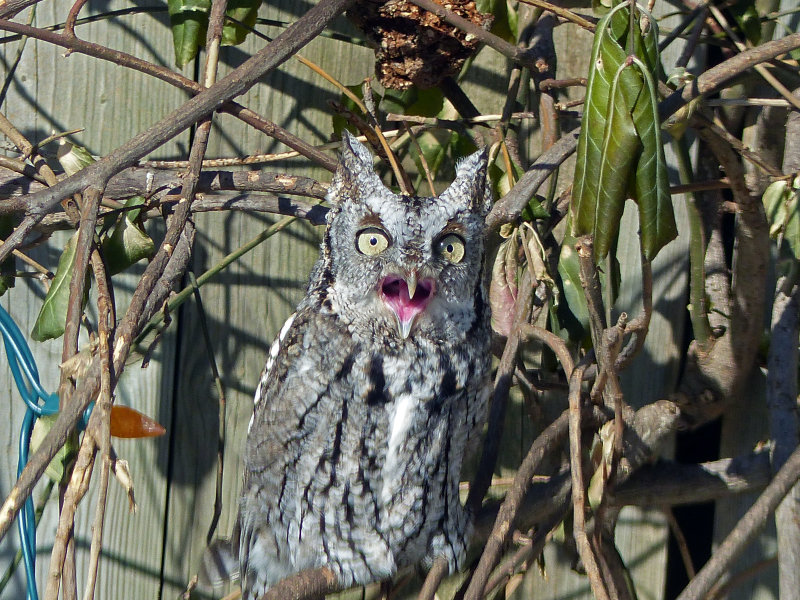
x=50 y=93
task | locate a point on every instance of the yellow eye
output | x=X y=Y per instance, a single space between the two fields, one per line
x=372 y=241
x=451 y=246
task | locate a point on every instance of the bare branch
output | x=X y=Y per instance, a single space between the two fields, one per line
x=235 y=83
x=745 y=530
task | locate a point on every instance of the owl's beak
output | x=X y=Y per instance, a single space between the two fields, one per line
x=406 y=297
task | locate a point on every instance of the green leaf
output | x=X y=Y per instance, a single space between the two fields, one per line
x=651 y=188
x=747 y=18
x=399 y=101
x=340 y=123
x=499 y=176
x=434 y=148
x=534 y=210
x=504 y=24
x=73 y=158
x=574 y=313
x=189 y=22
x=426 y=103
x=127 y=243
x=782 y=206
x=244 y=11
x=53 y=315
x=58 y=466
x=619 y=149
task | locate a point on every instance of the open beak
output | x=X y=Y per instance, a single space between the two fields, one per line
x=407 y=297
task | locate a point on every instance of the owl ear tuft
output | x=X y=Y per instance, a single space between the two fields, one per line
x=472 y=182
x=355 y=175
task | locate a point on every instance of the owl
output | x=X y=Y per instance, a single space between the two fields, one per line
x=374 y=390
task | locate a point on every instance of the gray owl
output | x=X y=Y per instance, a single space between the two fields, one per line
x=374 y=390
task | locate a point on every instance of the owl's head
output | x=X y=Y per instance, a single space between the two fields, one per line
x=398 y=265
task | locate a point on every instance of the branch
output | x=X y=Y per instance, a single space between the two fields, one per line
x=745 y=531
x=668 y=483
x=305 y=585
x=783 y=425
x=102 y=433
x=509 y=207
x=65 y=423
x=124 y=59
x=552 y=437
x=717 y=76
x=234 y=84
x=584 y=546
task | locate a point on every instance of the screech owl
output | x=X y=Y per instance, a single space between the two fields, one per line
x=374 y=389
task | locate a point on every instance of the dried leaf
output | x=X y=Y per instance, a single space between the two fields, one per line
x=78 y=364
x=119 y=467
x=503 y=286
x=73 y=158
x=602 y=456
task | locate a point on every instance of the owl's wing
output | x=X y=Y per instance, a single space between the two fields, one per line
x=293 y=404
x=305 y=360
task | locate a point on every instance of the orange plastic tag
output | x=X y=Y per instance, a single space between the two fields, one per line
x=129 y=423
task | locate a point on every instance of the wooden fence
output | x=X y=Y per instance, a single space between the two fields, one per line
x=154 y=552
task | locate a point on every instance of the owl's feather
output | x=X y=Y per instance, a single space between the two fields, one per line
x=374 y=390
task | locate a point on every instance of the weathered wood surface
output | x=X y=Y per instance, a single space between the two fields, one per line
x=50 y=93
x=155 y=552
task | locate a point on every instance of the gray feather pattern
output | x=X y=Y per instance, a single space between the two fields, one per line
x=355 y=449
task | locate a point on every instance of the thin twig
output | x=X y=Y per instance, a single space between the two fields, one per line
x=52 y=443
x=552 y=437
x=168 y=75
x=760 y=69
x=745 y=530
x=102 y=434
x=565 y=14
x=503 y=47
x=582 y=542
x=28 y=260
x=77 y=488
x=235 y=83
x=434 y=578
x=680 y=539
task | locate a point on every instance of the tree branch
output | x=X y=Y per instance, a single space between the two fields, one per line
x=745 y=530
x=234 y=84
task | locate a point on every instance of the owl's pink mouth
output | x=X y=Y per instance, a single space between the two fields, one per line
x=395 y=294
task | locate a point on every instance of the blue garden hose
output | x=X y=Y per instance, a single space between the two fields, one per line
x=39 y=403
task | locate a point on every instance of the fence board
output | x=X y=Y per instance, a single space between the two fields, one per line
x=50 y=93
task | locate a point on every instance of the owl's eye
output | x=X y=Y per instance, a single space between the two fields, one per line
x=451 y=246
x=372 y=241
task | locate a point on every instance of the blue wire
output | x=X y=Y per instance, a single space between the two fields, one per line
x=29 y=387
x=27 y=520
x=26 y=376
